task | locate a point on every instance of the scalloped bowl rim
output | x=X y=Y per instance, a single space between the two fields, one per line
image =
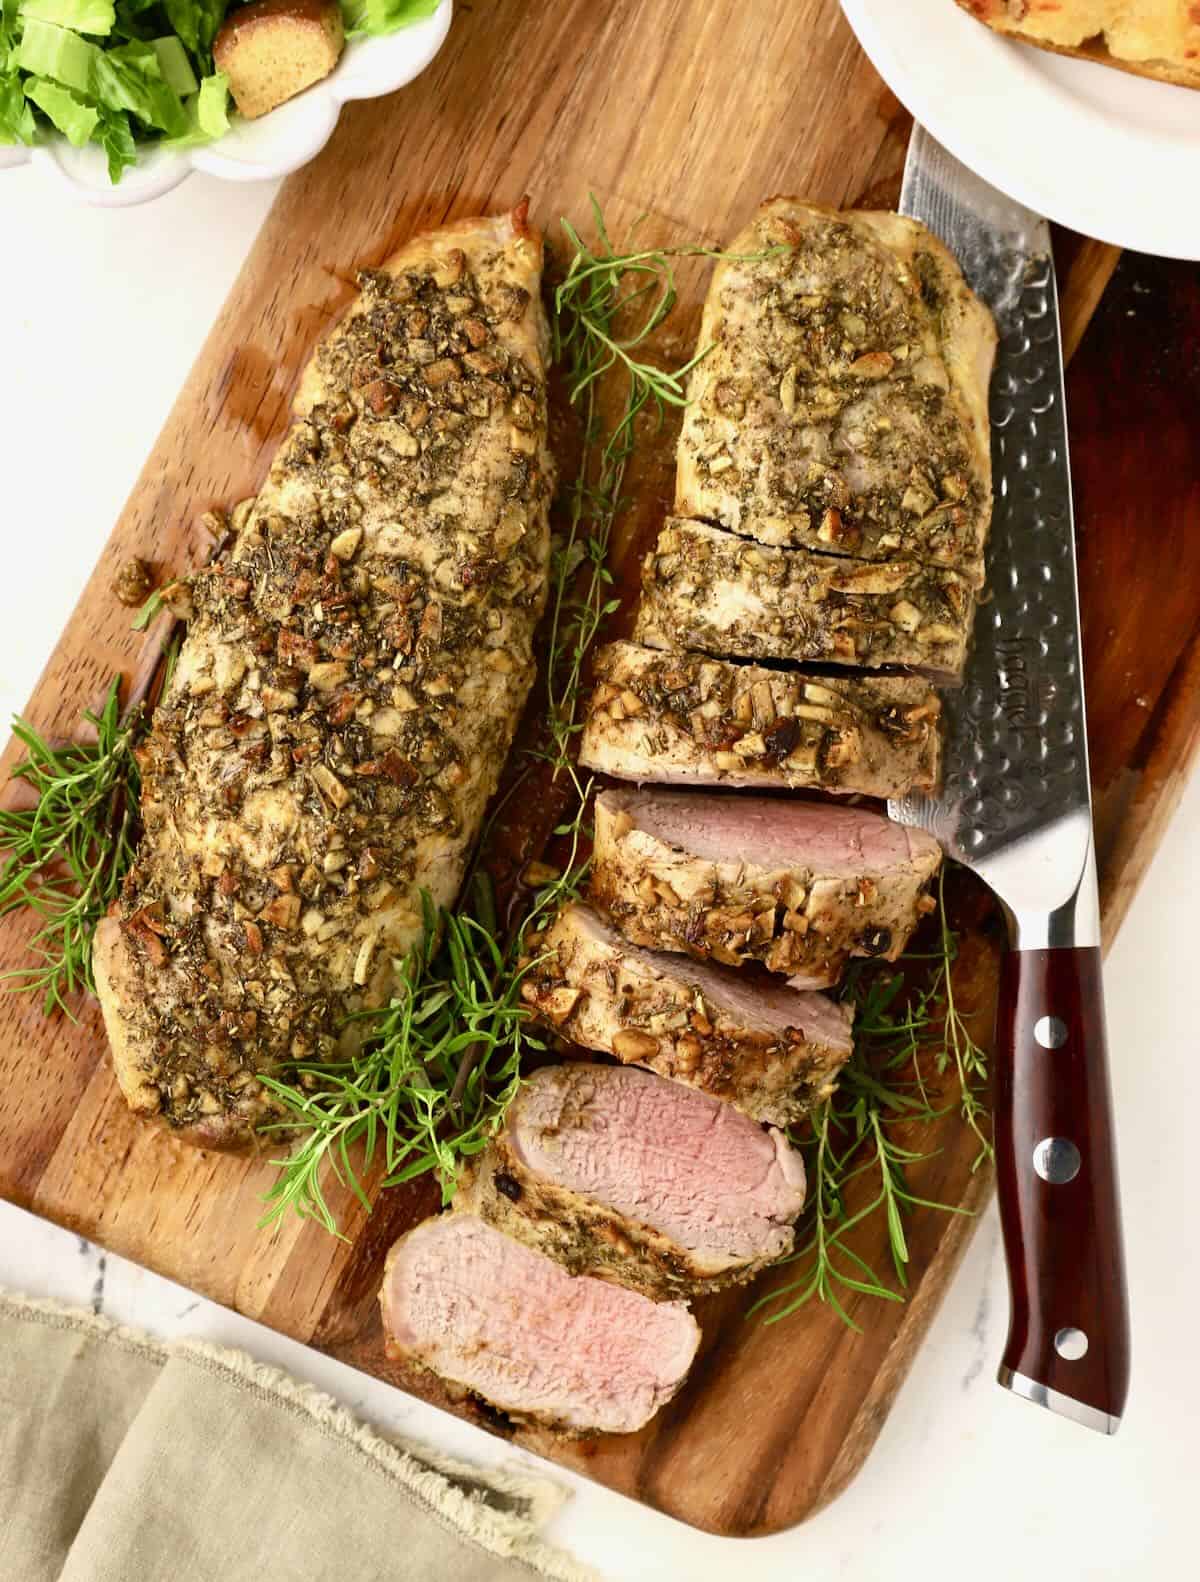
x=261 y=150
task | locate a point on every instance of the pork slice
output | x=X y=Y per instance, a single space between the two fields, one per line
x=496 y=1319
x=347 y=692
x=798 y=886
x=706 y=589
x=689 y=719
x=616 y=1172
x=769 y=1049
x=842 y=403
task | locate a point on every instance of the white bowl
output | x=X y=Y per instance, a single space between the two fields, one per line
x=274 y=145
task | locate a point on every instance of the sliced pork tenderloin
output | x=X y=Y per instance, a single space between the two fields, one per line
x=493 y=1318
x=798 y=886
x=713 y=591
x=842 y=405
x=616 y=1172
x=691 y=719
x=771 y=1050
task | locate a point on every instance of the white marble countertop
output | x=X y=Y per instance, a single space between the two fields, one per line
x=106 y=311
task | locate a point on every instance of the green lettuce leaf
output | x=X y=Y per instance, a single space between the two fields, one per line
x=115 y=137
x=8 y=28
x=130 y=78
x=49 y=51
x=74 y=119
x=81 y=16
x=212 y=105
x=16 y=118
x=372 y=17
x=196 y=22
x=174 y=65
x=207 y=114
x=129 y=24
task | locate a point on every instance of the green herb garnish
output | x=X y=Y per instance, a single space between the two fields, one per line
x=857 y=1166
x=67 y=854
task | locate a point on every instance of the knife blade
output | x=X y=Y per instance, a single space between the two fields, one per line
x=1015 y=807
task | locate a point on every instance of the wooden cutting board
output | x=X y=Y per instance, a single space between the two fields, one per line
x=686 y=114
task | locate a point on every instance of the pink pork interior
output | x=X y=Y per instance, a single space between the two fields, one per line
x=506 y=1321
x=664 y=1155
x=772 y=833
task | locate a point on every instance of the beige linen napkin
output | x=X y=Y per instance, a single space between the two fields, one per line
x=126 y=1460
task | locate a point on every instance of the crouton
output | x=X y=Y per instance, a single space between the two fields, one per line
x=272 y=50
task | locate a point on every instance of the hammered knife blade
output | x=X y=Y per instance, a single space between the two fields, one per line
x=1016 y=808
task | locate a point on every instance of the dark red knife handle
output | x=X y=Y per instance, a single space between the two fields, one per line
x=1062 y=1235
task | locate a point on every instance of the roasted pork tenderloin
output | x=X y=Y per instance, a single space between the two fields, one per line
x=347 y=692
x=707 y=589
x=771 y=1050
x=496 y=1319
x=689 y=719
x=800 y=886
x=842 y=404
x=616 y=1172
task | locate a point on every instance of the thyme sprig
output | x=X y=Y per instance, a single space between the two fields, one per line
x=69 y=851
x=858 y=1164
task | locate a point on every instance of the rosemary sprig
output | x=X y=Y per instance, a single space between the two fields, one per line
x=858 y=1167
x=395 y=1091
x=67 y=854
x=957 y=1044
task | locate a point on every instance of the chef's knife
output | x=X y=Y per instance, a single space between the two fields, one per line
x=1016 y=808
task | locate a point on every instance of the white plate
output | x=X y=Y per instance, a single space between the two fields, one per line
x=274 y=145
x=1114 y=156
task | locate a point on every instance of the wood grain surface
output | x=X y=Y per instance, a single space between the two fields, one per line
x=687 y=115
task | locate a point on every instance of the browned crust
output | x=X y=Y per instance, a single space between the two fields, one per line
x=775 y=1078
x=513 y=224
x=326 y=14
x=116 y=979
x=273 y=50
x=711 y=590
x=1096 y=51
x=750 y=427
x=691 y=718
x=796 y=921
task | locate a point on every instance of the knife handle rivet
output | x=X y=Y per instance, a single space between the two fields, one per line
x=1050 y=1032
x=1056 y=1160
x=1071 y=1344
